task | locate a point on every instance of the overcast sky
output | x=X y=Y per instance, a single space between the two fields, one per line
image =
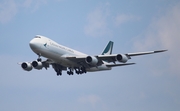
x=152 y=84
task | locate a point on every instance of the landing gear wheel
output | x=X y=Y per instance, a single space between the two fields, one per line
x=39 y=59
x=69 y=72
x=59 y=72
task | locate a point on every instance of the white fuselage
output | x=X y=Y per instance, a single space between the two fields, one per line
x=50 y=49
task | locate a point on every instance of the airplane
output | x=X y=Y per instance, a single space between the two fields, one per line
x=62 y=58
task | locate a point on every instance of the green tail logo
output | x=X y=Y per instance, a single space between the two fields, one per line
x=108 y=49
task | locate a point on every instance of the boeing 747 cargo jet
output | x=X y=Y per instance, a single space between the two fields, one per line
x=63 y=58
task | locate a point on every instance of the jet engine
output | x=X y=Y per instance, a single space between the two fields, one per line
x=91 y=60
x=26 y=66
x=122 y=58
x=37 y=65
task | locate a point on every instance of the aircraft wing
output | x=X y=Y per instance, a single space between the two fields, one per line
x=81 y=60
x=114 y=65
x=145 y=53
x=124 y=57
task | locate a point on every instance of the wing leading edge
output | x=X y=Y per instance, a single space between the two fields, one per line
x=120 y=57
x=145 y=53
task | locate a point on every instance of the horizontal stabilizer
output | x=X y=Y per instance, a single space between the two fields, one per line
x=114 y=65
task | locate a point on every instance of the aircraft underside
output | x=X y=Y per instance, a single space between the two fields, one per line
x=70 y=70
x=38 y=64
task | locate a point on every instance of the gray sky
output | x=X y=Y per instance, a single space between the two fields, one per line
x=85 y=25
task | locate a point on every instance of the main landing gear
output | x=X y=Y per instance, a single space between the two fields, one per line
x=70 y=72
x=79 y=70
x=59 y=72
x=58 y=69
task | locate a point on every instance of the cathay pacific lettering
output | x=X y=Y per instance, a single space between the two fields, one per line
x=61 y=47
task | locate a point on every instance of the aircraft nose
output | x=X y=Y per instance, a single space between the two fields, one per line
x=33 y=44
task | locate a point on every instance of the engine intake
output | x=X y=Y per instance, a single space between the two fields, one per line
x=91 y=60
x=122 y=58
x=26 y=66
x=37 y=65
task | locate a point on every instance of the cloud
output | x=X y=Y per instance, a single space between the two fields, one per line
x=123 y=18
x=164 y=32
x=90 y=99
x=27 y=3
x=97 y=21
x=38 y=3
x=33 y=4
x=8 y=10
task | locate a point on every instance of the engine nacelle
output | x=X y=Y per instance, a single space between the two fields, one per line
x=122 y=58
x=26 y=66
x=37 y=65
x=91 y=60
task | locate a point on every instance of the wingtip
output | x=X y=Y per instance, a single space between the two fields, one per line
x=19 y=63
x=160 y=51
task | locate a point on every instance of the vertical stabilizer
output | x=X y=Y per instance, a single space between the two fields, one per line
x=108 y=49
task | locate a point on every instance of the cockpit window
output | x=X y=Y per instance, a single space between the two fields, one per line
x=37 y=37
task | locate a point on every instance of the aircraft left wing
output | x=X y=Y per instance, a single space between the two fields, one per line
x=85 y=60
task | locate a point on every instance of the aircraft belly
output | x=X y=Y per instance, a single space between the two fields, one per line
x=98 y=68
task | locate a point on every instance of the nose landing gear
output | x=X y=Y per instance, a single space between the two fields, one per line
x=39 y=58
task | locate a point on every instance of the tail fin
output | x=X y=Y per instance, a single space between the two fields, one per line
x=108 y=49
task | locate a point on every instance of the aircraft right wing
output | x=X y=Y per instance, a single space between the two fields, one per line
x=115 y=65
x=145 y=53
x=124 y=57
x=91 y=61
